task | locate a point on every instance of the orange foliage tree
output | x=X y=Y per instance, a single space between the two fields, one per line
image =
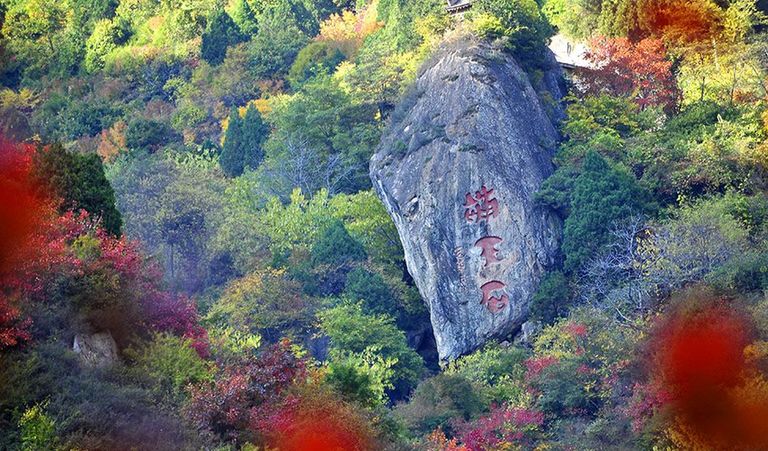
x=639 y=71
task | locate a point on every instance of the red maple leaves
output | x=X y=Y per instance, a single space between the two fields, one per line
x=639 y=70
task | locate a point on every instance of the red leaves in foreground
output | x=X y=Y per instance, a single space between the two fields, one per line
x=26 y=215
x=315 y=419
x=270 y=400
x=243 y=391
x=701 y=376
x=502 y=426
x=640 y=71
x=113 y=277
x=680 y=22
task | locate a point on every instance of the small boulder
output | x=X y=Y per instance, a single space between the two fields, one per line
x=96 y=350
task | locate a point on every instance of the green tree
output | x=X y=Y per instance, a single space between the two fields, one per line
x=351 y=330
x=34 y=23
x=231 y=158
x=149 y=134
x=80 y=182
x=337 y=247
x=551 y=300
x=439 y=401
x=245 y=18
x=243 y=142
x=263 y=302
x=38 y=430
x=220 y=33
x=363 y=285
x=167 y=365
x=107 y=35
x=602 y=196
x=255 y=133
x=520 y=23
x=314 y=59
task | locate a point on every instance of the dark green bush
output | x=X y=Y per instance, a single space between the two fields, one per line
x=337 y=247
x=552 y=299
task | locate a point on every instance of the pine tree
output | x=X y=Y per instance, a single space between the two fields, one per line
x=255 y=131
x=80 y=182
x=245 y=18
x=220 y=33
x=232 y=155
x=602 y=196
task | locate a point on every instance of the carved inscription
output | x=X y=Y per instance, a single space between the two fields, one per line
x=459 y=253
x=481 y=206
x=488 y=245
x=478 y=208
x=491 y=301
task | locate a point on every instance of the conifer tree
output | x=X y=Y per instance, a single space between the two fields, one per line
x=255 y=132
x=245 y=18
x=232 y=155
x=80 y=182
x=220 y=33
x=602 y=196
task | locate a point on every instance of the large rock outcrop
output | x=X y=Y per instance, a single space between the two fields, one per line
x=457 y=170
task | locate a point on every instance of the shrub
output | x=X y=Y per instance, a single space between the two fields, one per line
x=314 y=59
x=363 y=285
x=38 y=430
x=503 y=427
x=167 y=365
x=498 y=370
x=351 y=330
x=361 y=377
x=225 y=407
x=107 y=35
x=337 y=247
x=441 y=401
x=520 y=23
x=312 y=417
x=263 y=302
x=148 y=134
x=552 y=299
x=602 y=196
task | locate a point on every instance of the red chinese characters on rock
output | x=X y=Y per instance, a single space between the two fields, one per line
x=488 y=245
x=478 y=208
x=494 y=304
x=481 y=207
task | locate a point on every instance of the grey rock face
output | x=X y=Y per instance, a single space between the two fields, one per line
x=96 y=350
x=457 y=170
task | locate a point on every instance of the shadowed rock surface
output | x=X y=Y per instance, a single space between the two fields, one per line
x=472 y=120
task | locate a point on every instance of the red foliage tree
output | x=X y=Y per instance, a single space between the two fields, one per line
x=313 y=418
x=138 y=297
x=501 y=426
x=640 y=71
x=112 y=283
x=33 y=240
x=244 y=392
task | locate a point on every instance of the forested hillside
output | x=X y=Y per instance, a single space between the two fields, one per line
x=192 y=255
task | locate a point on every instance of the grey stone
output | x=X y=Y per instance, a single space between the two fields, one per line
x=96 y=350
x=472 y=119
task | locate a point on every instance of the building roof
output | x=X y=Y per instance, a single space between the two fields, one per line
x=569 y=54
x=455 y=6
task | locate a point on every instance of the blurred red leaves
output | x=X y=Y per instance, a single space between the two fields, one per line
x=700 y=378
x=26 y=215
x=680 y=22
